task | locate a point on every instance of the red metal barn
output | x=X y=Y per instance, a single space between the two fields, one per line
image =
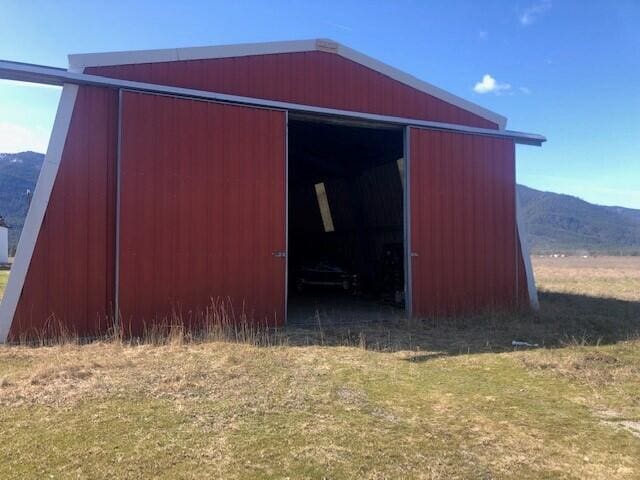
x=251 y=173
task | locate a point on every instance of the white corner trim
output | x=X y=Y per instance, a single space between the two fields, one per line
x=77 y=62
x=526 y=256
x=79 y=69
x=37 y=209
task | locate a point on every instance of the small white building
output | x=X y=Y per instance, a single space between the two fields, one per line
x=4 y=242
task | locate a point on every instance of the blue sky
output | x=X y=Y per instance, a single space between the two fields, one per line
x=567 y=69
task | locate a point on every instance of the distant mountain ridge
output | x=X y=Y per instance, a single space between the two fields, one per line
x=555 y=223
x=558 y=223
x=18 y=175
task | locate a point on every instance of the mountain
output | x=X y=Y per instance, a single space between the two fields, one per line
x=555 y=223
x=18 y=175
x=559 y=223
x=631 y=213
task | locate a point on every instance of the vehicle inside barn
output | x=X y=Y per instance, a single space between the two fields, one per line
x=346 y=219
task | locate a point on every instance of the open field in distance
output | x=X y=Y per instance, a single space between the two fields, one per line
x=436 y=399
x=4 y=277
x=615 y=277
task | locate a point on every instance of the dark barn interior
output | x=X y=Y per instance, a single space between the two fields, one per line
x=346 y=234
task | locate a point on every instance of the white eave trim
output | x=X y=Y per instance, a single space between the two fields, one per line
x=77 y=62
x=37 y=209
x=55 y=76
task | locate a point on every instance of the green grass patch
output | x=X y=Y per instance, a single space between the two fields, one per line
x=233 y=411
x=4 y=278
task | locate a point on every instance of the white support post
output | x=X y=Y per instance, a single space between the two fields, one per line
x=526 y=256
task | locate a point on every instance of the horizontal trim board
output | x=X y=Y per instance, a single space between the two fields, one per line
x=77 y=62
x=54 y=76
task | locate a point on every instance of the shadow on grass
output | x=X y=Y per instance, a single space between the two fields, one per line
x=564 y=319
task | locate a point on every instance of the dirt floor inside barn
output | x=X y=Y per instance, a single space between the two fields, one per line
x=436 y=399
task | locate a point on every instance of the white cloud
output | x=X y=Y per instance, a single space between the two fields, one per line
x=532 y=12
x=17 y=138
x=489 y=84
x=525 y=90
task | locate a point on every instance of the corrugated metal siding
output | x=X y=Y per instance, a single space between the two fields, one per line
x=202 y=210
x=69 y=283
x=463 y=224
x=310 y=78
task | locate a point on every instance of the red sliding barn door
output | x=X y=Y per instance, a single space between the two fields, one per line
x=202 y=210
x=465 y=257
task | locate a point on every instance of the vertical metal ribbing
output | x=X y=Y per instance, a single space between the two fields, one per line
x=37 y=208
x=116 y=314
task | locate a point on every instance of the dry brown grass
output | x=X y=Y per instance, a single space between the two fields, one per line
x=244 y=411
x=613 y=277
x=437 y=399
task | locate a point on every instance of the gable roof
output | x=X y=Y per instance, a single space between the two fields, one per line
x=78 y=62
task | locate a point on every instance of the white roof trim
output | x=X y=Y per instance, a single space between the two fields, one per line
x=77 y=63
x=55 y=76
x=37 y=209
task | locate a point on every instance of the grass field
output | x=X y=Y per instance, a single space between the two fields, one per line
x=402 y=400
x=4 y=276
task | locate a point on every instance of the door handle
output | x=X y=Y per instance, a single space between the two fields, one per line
x=414 y=254
x=279 y=254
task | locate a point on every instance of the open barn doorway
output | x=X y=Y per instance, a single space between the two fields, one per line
x=346 y=236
